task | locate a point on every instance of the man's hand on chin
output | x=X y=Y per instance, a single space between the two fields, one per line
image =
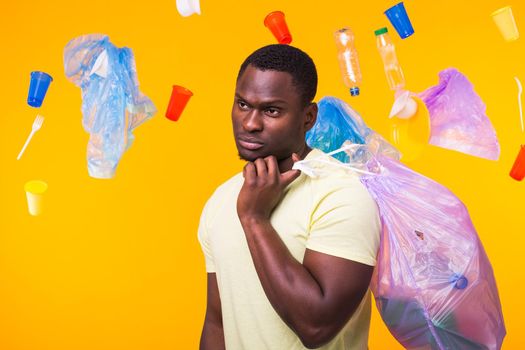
x=263 y=188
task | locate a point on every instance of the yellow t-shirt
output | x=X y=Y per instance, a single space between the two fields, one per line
x=332 y=214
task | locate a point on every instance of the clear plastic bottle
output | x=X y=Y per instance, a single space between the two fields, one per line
x=348 y=60
x=387 y=50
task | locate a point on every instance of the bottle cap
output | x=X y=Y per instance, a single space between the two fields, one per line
x=381 y=31
x=460 y=281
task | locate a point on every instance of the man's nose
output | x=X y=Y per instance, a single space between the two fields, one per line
x=253 y=121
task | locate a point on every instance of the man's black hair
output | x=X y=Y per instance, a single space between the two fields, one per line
x=289 y=59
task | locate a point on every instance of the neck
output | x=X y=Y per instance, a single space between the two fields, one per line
x=286 y=164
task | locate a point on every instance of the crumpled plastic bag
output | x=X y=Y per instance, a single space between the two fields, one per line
x=433 y=283
x=457 y=117
x=338 y=123
x=112 y=104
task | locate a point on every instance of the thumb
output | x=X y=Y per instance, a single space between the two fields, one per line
x=289 y=176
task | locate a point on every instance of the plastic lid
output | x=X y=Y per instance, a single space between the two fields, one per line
x=354 y=91
x=381 y=31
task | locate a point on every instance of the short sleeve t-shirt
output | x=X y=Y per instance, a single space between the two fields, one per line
x=332 y=214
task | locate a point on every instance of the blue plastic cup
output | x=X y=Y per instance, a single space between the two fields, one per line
x=37 y=88
x=397 y=15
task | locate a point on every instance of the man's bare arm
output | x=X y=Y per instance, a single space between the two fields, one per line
x=315 y=298
x=212 y=337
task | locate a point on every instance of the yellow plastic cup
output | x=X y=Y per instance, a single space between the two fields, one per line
x=411 y=136
x=506 y=24
x=35 y=190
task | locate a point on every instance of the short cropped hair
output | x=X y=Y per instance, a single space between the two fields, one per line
x=289 y=59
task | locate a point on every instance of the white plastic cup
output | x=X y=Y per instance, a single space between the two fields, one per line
x=35 y=190
x=188 y=7
x=404 y=107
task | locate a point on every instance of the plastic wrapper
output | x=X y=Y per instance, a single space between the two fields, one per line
x=457 y=117
x=112 y=105
x=433 y=283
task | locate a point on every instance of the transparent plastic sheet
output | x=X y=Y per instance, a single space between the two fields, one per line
x=457 y=117
x=433 y=283
x=112 y=104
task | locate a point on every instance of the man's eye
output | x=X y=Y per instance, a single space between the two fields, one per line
x=272 y=112
x=242 y=105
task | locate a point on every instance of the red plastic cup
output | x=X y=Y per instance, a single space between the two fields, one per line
x=277 y=25
x=178 y=100
x=518 y=169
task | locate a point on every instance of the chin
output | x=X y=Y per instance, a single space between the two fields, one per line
x=251 y=156
x=248 y=156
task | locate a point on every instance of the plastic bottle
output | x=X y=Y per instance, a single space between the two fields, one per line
x=348 y=60
x=387 y=50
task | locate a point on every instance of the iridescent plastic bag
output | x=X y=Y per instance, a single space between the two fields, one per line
x=457 y=117
x=112 y=105
x=433 y=283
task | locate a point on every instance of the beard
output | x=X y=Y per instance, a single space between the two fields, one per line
x=241 y=157
x=247 y=159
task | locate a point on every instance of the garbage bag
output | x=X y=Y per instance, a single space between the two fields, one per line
x=457 y=117
x=431 y=262
x=433 y=283
x=112 y=104
x=338 y=123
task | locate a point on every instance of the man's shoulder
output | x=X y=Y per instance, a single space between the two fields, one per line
x=335 y=178
x=346 y=187
x=233 y=183
x=332 y=172
x=225 y=191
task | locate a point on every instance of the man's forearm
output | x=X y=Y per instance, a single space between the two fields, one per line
x=212 y=337
x=291 y=289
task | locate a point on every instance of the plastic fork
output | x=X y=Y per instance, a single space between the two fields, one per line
x=37 y=124
x=520 y=90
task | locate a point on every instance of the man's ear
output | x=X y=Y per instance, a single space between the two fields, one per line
x=311 y=116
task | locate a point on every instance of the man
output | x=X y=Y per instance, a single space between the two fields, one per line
x=289 y=258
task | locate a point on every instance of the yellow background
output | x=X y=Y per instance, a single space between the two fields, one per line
x=116 y=264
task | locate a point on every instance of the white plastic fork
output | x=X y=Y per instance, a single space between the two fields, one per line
x=37 y=124
x=520 y=90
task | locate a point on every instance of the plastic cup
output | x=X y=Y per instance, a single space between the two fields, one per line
x=411 y=136
x=397 y=15
x=404 y=106
x=178 y=100
x=518 y=169
x=506 y=24
x=37 y=88
x=276 y=23
x=35 y=190
x=188 y=7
